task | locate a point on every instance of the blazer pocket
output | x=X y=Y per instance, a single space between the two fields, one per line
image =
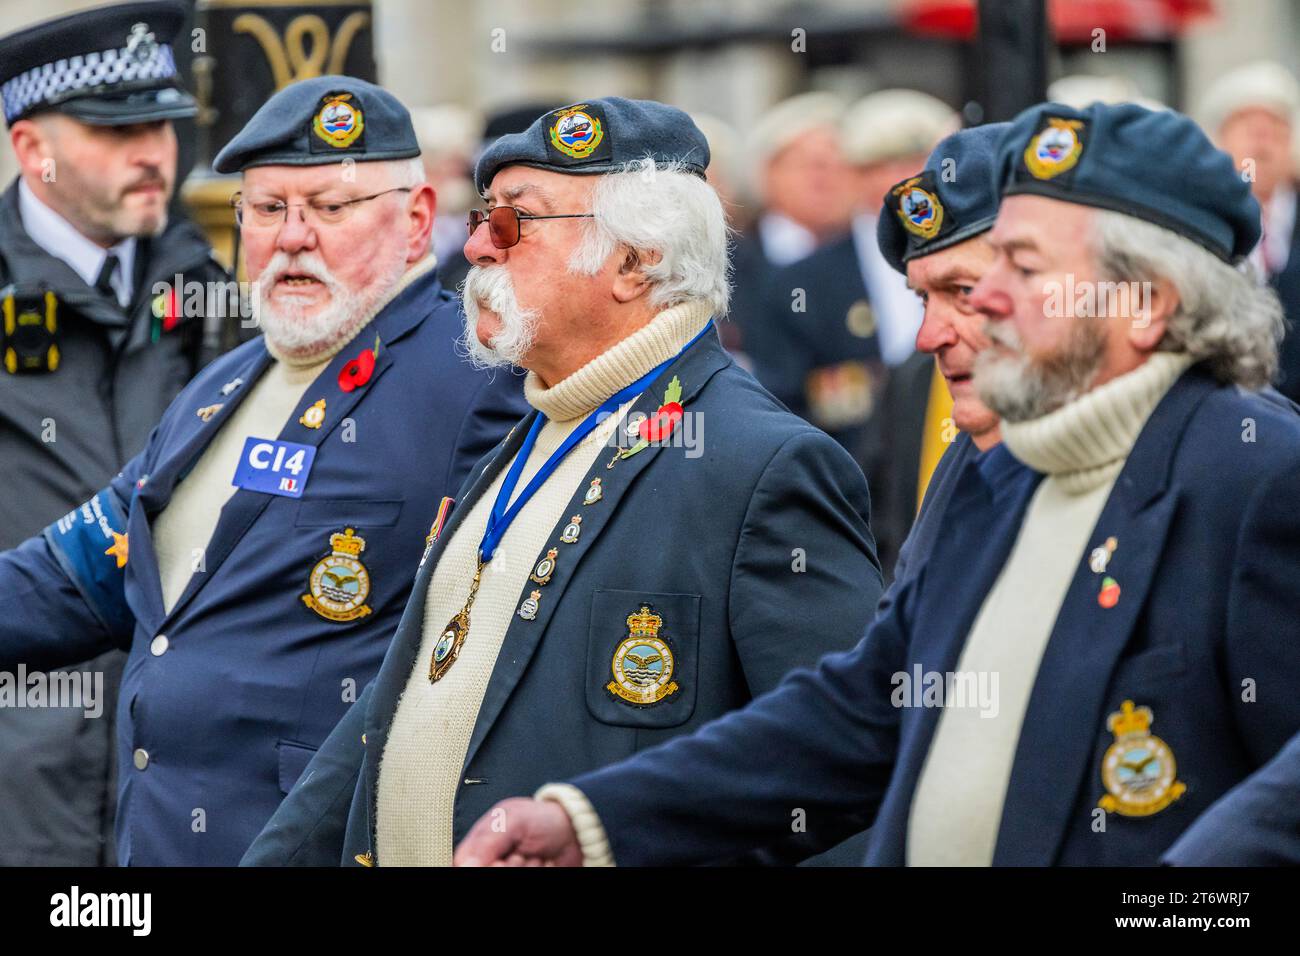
x=354 y=512
x=643 y=658
x=294 y=758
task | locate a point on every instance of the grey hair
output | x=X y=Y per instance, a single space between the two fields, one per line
x=665 y=210
x=406 y=172
x=1225 y=315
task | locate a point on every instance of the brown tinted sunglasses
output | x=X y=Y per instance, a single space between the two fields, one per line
x=503 y=223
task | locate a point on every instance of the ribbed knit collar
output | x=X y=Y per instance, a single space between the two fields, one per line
x=582 y=392
x=1084 y=444
x=318 y=359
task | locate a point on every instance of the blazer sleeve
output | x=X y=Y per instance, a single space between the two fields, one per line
x=816 y=753
x=1262 y=667
x=309 y=826
x=1257 y=823
x=62 y=592
x=805 y=554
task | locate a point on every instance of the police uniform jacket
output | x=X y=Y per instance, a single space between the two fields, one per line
x=225 y=698
x=756 y=555
x=1204 y=636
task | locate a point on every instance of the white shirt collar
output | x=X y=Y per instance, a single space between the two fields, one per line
x=62 y=240
x=784 y=240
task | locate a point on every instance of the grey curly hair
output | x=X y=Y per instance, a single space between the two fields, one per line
x=1225 y=315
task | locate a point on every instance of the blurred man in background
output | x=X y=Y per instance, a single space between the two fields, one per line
x=834 y=323
x=449 y=137
x=91 y=354
x=1251 y=113
x=802 y=187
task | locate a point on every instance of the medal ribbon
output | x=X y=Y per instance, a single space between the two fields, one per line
x=501 y=517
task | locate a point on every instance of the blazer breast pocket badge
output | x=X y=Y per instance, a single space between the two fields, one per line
x=1138 y=769
x=643 y=663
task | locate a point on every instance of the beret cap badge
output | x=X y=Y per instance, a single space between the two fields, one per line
x=918 y=209
x=338 y=122
x=1056 y=148
x=576 y=132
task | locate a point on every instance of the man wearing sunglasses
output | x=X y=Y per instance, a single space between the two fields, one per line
x=618 y=573
x=255 y=557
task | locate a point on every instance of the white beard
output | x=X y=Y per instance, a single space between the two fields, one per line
x=1020 y=388
x=294 y=334
x=489 y=287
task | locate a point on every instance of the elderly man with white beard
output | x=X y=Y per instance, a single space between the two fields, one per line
x=256 y=556
x=616 y=574
x=1104 y=639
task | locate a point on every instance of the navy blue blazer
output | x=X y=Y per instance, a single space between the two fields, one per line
x=925 y=530
x=1256 y=824
x=757 y=555
x=835 y=330
x=1287 y=285
x=1204 y=634
x=245 y=681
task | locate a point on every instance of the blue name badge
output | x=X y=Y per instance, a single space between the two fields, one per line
x=274 y=467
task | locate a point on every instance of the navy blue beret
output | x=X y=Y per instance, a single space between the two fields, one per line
x=599 y=136
x=1155 y=165
x=109 y=66
x=322 y=120
x=952 y=199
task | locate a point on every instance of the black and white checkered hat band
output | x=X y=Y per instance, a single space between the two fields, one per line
x=53 y=82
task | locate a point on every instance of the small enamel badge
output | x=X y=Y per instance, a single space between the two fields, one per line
x=545 y=568
x=643 y=662
x=860 y=320
x=231 y=386
x=1138 y=769
x=1100 y=557
x=571 y=530
x=207 y=411
x=314 y=417
x=593 y=493
x=339 y=583
x=528 y=610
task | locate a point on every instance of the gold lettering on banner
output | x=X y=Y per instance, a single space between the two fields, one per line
x=289 y=58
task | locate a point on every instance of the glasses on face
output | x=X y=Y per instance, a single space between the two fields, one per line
x=503 y=223
x=328 y=212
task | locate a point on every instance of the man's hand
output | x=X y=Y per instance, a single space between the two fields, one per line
x=521 y=832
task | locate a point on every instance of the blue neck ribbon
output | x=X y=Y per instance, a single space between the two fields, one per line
x=501 y=517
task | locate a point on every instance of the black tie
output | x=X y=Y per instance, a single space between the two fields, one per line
x=104 y=283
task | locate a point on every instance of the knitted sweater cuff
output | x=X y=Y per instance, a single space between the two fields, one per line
x=592 y=838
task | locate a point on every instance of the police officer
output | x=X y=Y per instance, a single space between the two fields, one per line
x=90 y=356
x=255 y=557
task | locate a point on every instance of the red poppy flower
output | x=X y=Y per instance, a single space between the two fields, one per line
x=661 y=424
x=357 y=372
x=172 y=315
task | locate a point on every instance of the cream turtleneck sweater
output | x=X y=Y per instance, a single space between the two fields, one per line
x=420 y=771
x=182 y=530
x=1081 y=448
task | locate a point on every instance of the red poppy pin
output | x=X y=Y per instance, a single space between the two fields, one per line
x=661 y=424
x=357 y=372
